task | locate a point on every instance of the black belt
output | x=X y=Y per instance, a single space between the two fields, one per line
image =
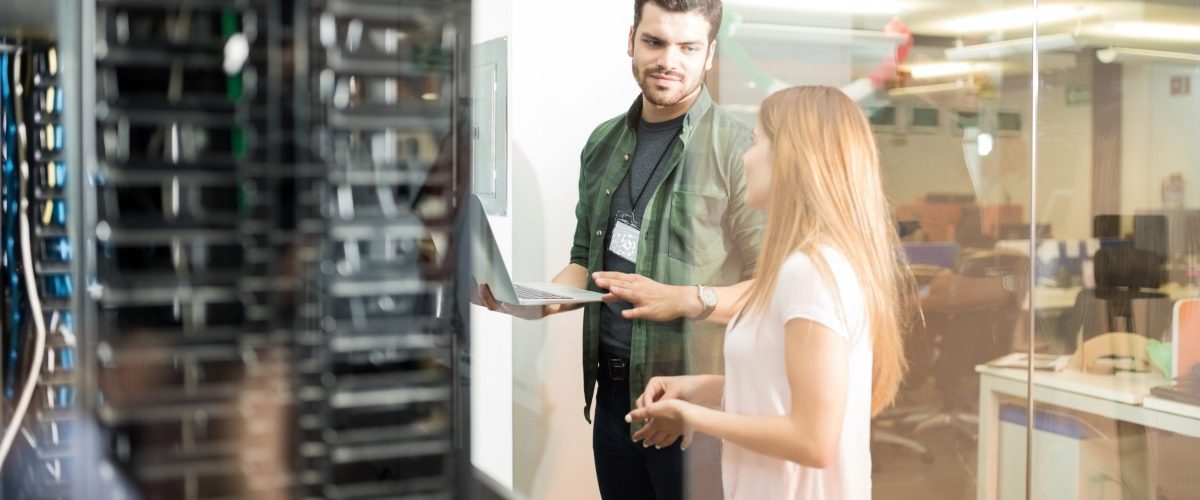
x=614 y=369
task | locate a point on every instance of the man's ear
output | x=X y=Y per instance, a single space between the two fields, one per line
x=629 y=47
x=712 y=49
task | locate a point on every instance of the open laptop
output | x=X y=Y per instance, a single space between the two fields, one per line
x=487 y=266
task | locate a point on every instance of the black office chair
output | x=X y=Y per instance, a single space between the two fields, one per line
x=1125 y=298
x=889 y=426
x=965 y=338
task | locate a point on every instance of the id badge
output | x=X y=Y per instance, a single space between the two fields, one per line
x=624 y=241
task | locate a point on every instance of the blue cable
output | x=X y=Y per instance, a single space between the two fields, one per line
x=58 y=249
x=66 y=358
x=11 y=188
x=59 y=212
x=58 y=286
x=60 y=174
x=64 y=396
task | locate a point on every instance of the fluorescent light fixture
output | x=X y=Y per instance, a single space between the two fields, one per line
x=940 y=70
x=1015 y=47
x=853 y=7
x=814 y=34
x=1149 y=31
x=1019 y=18
x=1114 y=54
x=930 y=89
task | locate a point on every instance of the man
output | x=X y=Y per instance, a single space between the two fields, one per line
x=661 y=196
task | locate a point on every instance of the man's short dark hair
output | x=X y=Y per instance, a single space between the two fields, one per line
x=710 y=9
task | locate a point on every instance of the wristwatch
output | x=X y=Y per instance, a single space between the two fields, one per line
x=708 y=298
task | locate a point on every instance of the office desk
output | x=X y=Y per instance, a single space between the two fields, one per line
x=1051 y=298
x=1124 y=396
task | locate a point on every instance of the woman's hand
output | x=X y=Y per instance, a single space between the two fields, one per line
x=651 y=300
x=685 y=387
x=666 y=421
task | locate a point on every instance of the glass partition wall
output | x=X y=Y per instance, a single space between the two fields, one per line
x=1043 y=170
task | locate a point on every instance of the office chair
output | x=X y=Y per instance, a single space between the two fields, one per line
x=918 y=350
x=1125 y=298
x=963 y=339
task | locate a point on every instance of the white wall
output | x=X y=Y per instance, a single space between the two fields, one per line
x=565 y=77
x=1159 y=135
x=491 y=333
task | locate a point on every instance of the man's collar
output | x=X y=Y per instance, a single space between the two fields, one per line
x=699 y=108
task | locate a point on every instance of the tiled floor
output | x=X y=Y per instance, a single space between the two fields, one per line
x=902 y=475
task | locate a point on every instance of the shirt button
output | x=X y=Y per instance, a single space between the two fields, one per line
x=608 y=192
x=626 y=157
x=599 y=232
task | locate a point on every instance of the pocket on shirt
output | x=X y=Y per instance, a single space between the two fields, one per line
x=696 y=235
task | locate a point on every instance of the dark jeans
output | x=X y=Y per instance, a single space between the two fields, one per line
x=625 y=469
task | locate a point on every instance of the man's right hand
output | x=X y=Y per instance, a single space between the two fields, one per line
x=483 y=296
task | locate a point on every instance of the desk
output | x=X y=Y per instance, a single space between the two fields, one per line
x=1052 y=298
x=1124 y=396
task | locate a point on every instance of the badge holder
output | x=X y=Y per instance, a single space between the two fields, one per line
x=625 y=237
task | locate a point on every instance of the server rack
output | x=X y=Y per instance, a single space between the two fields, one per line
x=242 y=213
x=378 y=378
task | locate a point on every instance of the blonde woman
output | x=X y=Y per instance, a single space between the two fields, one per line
x=815 y=349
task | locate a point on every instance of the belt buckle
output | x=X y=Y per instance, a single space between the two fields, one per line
x=618 y=369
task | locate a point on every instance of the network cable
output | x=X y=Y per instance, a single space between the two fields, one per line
x=35 y=303
x=39 y=342
x=11 y=188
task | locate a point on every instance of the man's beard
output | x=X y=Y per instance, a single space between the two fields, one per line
x=658 y=96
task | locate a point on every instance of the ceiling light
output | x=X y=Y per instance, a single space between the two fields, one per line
x=1152 y=31
x=930 y=89
x=1015 y=47
x=944 y=69
x=1114 y=54
x=865 y=7
x=814 y=34
x=1018 y=18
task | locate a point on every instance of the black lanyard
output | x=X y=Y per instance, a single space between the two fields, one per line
x=629 y=176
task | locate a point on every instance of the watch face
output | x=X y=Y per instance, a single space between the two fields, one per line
x=709 y=296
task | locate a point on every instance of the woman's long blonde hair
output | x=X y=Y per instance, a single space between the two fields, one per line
x=826 y=190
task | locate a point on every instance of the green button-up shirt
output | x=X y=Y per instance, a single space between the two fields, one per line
x=696 y=230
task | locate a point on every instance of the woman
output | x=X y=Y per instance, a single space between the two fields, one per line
x=816 y=349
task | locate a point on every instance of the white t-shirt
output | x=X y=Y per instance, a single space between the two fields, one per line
x=756 y=384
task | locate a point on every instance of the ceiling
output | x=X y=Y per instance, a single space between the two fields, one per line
x=1101 y=23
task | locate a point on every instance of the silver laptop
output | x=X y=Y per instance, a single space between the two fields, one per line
x=487 y=266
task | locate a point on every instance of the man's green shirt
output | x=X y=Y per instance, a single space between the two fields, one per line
x=697 y=230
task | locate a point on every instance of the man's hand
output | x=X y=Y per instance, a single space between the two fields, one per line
x=651 y=300
x=483 y=296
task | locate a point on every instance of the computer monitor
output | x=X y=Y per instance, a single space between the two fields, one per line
x=944 y=255
x=1150 y=234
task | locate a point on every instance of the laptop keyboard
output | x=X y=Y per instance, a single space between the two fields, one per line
x=524 y=292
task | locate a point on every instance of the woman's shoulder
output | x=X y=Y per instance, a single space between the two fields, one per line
x=801 y=262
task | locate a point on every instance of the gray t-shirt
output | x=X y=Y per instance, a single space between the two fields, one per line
x=647 y=169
